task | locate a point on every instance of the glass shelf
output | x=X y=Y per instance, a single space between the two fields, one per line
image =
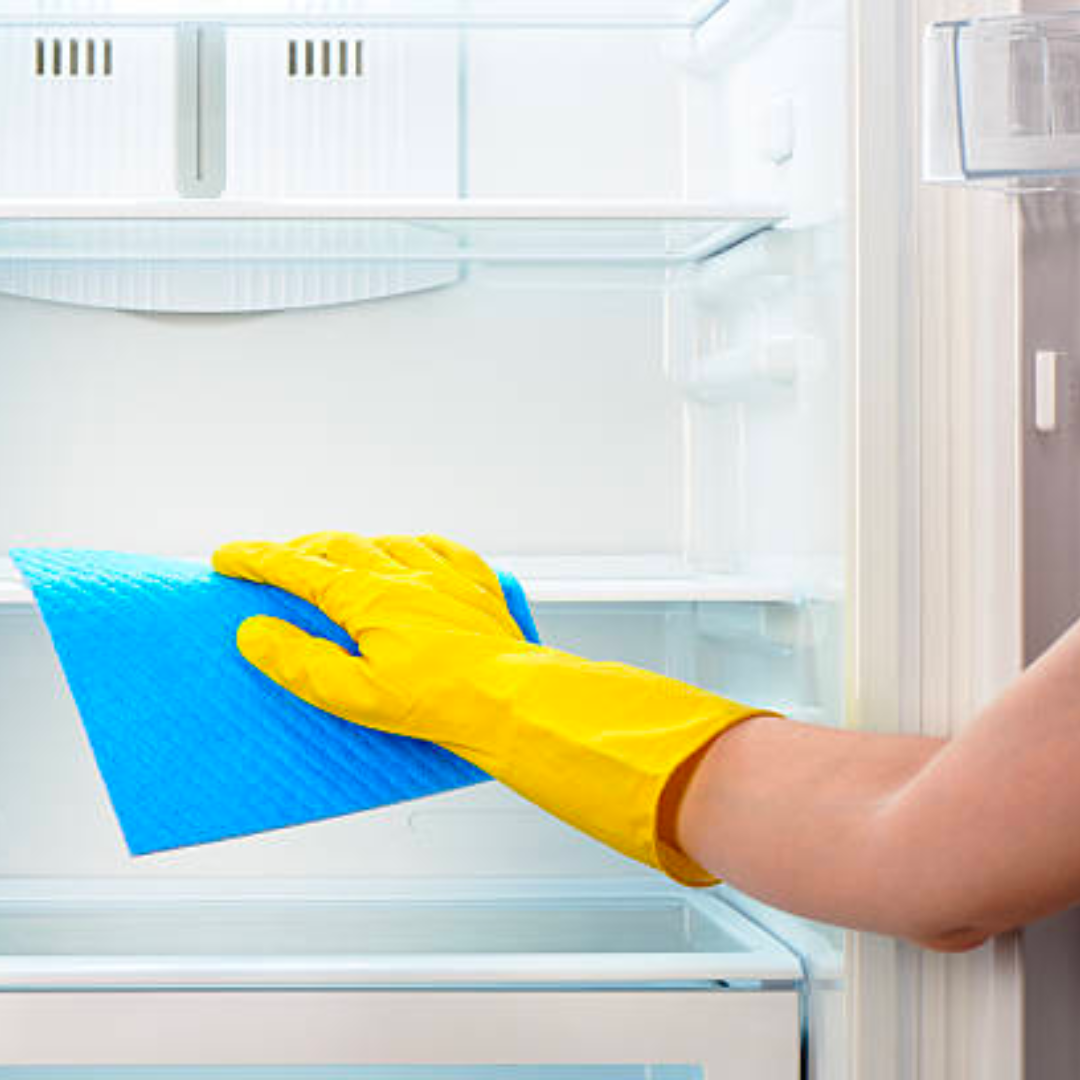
x=331 y=234
x=588 y=579
x=326 y=934
x=1001 y=100
x=186 y=258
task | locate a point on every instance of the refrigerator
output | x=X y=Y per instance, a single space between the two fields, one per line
x=648 y=302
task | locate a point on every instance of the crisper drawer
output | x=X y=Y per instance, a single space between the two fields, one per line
x=567 y=974
x=442 y=1036
x=318 y=935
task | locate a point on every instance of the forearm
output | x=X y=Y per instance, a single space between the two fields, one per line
x=989 y=829
x=793 y=813
x=944 y=843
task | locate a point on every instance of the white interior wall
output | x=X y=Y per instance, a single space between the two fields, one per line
x=520 y=421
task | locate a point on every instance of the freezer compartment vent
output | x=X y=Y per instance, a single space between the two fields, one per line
x=73 y=58
x=325 y=58
x=1001 y=102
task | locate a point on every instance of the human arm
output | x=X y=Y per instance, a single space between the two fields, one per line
x=942 y=843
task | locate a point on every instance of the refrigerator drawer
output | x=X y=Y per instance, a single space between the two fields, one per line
x=323 y=935
x=751 y=1036
x=567 y=974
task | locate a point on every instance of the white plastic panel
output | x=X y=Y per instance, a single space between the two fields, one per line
x=68 y=131
x=589 y=116
x=752 y=1036
x=407 y=416
x=337 y=111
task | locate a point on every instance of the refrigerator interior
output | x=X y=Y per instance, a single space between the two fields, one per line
x=564 y=282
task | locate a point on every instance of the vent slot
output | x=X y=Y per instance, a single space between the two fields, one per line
x=73 y=58
x=325 y=58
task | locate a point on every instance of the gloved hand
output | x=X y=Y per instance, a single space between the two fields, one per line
x=600 y=745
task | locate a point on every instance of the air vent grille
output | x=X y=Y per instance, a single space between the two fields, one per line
x=325 y=58
x=73 y=58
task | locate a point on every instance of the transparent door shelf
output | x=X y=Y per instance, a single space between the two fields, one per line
x=78 y=934
x=1002 y=100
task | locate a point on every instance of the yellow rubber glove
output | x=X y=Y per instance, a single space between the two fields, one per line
x=599 y=745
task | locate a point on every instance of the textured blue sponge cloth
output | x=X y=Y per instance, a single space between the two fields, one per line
x=193 y=743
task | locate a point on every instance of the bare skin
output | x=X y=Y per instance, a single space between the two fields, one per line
x=942 y=842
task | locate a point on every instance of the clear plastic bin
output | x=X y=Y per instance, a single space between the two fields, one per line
x=1002 y=100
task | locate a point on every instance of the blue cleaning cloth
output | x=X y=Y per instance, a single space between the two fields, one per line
x=193 y=743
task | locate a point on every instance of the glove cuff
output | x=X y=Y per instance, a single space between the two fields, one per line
x=667 y=856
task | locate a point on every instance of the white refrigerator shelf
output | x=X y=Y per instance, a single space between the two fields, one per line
x=596 y=579
x=333 y=232
x=509 y=934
